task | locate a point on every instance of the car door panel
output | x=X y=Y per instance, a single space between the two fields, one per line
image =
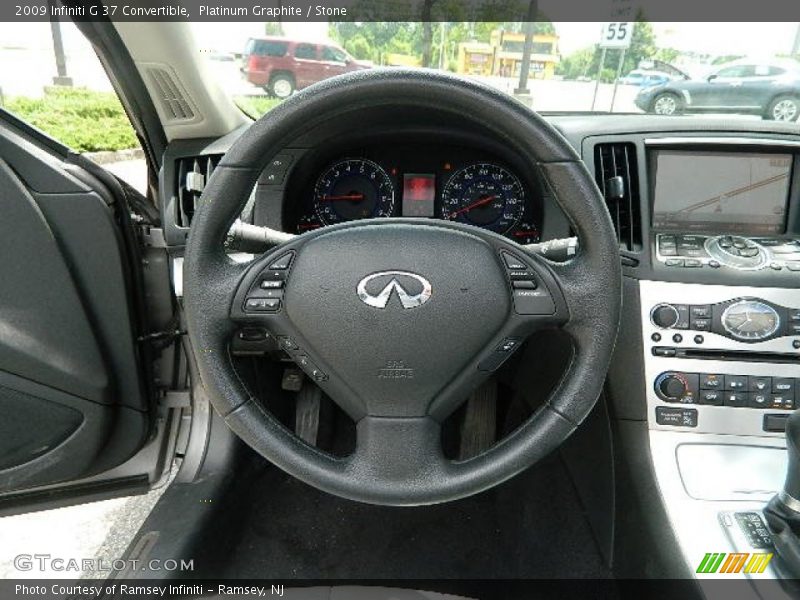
x=71 y=387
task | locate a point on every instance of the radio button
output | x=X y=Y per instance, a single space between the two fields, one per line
x=701 y=312
x=735 y=399
x=736 y=382
x=783 y=386
x=760 y=400
x=711 y=397
x=701 y=324
x=760 y=384
x=709 y=381
x=782 y=401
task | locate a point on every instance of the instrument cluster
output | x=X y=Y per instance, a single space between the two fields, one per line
x=436 y=181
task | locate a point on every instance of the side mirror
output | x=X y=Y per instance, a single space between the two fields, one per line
x=712 y=77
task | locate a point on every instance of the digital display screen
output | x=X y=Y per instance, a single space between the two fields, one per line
x=721 y=192
x=419 y=193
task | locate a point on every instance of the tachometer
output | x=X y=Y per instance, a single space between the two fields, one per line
x=486 y=195
x=353 y=188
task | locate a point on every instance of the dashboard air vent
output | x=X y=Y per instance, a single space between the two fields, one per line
x=172 y=99
x=617 y=176
x=191 y=175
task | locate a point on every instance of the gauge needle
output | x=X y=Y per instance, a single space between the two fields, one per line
x=343 y=197
x=475 y=204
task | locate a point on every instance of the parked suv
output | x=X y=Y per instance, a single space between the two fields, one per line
x=282 y=65
x=771 y=90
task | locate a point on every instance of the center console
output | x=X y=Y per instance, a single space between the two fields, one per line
x=720 y=322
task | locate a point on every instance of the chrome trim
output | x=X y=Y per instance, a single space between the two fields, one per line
x=740 y=263
x=723 y=141
x=739 y=337
x=659 y=305
x=381 y=300
x=712 y=419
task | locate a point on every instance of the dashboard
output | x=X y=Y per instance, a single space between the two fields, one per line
x=414 y=178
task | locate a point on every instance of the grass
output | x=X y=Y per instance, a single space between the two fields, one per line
x=255 y=106
x=82 y=119
x=89 y=121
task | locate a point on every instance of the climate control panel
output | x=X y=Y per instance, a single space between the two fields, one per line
x=720 y=359
x=738 y=391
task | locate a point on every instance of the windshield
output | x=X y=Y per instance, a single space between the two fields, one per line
x=667 y=69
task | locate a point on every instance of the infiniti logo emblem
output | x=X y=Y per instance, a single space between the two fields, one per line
x=413 y=290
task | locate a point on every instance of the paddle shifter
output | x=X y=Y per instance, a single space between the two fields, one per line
x=783 y=511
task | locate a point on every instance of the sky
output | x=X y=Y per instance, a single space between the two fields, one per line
x=710 y=38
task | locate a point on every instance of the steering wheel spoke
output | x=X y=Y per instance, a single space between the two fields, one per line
x=401 y=452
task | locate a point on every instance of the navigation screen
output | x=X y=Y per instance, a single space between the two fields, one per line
x=721 y=192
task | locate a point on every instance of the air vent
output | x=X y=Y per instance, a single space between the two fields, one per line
x=191 y=176
x=617 y=177
x=169 y=94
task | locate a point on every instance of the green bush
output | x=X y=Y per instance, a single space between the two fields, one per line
x=89 y=121
x=255 y=106
x=82 y=119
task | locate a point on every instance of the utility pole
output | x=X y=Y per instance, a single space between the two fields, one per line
x=61 y=77
x=522 y=92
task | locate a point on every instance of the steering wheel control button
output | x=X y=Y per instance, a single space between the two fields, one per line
x=522 y=275
x=311 y=369
x=500 y=354
x=533 y=302
x=677 y=417
x=513 y=262
x=287 y=343
x=282 y=263
x=523 y=285
x=252 y=335
x=275 y=171
x=271 y=284
x=262 y=304
x=508 y=345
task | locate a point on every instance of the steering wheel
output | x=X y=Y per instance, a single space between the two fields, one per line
x=398 y=320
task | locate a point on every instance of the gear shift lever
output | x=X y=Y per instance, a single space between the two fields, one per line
x=783 y=511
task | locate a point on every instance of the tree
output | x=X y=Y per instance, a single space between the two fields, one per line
x=427 y=31
x=359 y=47
x=643 y=47
x=273 y=28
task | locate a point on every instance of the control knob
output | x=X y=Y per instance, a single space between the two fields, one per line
x=671 y=387
x=664 y=316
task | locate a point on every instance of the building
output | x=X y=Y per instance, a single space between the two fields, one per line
x=503 y=55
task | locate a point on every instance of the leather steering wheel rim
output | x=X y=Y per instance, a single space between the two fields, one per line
x=586 y=292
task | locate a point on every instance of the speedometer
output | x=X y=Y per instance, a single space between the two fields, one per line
x=353 y=188
x=486 y=195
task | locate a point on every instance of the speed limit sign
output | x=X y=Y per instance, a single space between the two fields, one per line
x=616 y=35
